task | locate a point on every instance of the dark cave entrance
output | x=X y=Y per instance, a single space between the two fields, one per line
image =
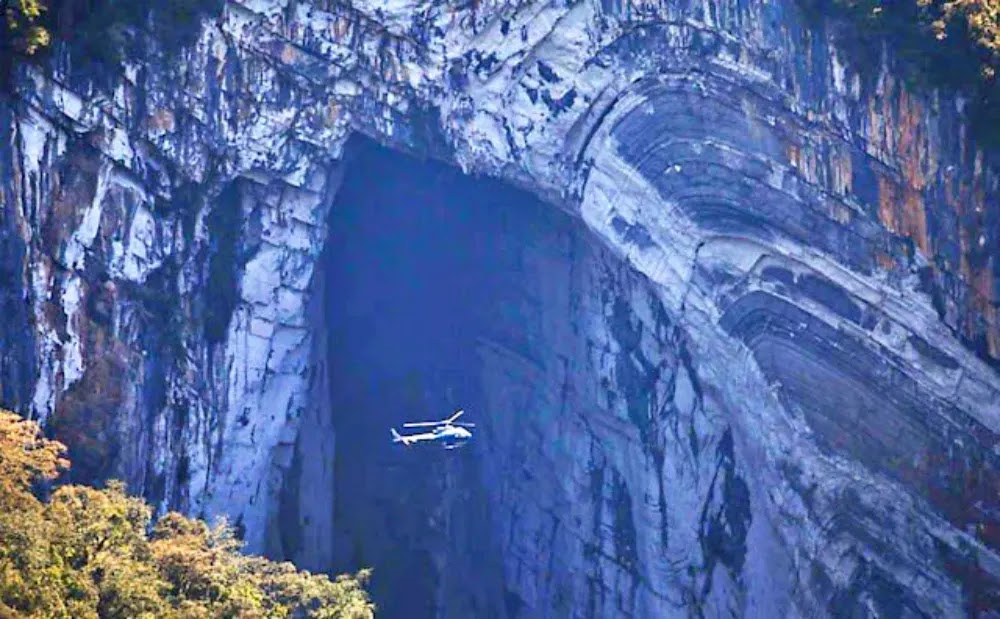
x=424 y=264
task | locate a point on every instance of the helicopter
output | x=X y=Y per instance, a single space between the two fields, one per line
x=447 y=431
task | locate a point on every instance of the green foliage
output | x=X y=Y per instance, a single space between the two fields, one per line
x=88 y=553
x=950 y=43
x=98 y=31
x=22 y=30
x=22 y=35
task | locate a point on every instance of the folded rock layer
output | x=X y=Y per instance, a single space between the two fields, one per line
x=733 y=349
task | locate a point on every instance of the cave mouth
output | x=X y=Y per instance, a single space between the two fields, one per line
x=425 y=265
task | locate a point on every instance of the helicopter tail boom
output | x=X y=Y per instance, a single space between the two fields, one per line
x=396 y=438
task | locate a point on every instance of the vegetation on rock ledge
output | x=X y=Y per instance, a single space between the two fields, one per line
x=950 y=43
x=88 y=553
x=953 y=43
x=101 y=31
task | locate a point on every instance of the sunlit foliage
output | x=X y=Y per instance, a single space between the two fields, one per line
x=98 y=31
x=87 y=553
x=950 y=43
x=22 y=30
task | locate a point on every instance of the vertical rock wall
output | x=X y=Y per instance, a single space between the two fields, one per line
x=600 y=482
x=164 y=338
x=799 y=254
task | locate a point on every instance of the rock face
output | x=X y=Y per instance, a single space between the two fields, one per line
x=607 y=489
x=733 y=353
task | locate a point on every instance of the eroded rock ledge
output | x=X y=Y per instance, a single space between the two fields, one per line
x=821 y=242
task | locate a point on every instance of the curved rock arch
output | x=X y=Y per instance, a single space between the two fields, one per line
x=828 y=248
x=847 y=179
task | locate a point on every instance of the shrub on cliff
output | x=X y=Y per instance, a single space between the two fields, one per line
x=952 y=43
x=97 y=30
x=22 y=30
x=88 y=553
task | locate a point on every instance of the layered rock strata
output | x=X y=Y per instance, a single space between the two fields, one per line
x=798 y=255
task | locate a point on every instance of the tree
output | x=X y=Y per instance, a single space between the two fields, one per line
x=26 y=456
x=950 y=43
x=22 y=31
x=89 y=553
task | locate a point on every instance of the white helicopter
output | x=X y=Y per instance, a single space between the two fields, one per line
x=451 y=434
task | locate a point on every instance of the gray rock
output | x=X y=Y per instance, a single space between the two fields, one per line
x=735 y=355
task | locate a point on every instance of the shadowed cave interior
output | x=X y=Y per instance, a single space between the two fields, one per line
x=426 y=266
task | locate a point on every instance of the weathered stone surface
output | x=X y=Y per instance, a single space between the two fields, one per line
x=764 y=381
x=586 y=490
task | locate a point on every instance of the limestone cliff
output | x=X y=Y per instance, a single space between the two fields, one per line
x=732 y=342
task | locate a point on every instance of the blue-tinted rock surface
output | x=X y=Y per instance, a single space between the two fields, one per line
x=751 y=371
